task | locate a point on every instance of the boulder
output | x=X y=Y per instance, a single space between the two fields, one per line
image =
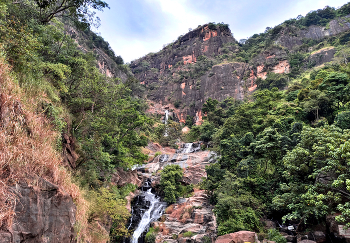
x=238 y=237
x=317 y=236
x=337 y=232
x=191 y=214
x=290 y=238
x=269 y=224
x=186 y=130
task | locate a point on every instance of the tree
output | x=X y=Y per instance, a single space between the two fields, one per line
x=342 y=120
x=170 y=182
x=337 y=87
x=316 y=103
x=236 y=208
x=317 y=171
x=78 y=10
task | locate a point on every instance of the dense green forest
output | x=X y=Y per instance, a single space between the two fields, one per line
x=284 y=153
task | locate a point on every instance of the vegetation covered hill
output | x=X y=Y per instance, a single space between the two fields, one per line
x=64 y=119
x=285 y=150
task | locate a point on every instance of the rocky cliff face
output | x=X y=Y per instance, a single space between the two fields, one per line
x=43 y=213
x=184 y=71
x=293 y=37
x=201 y=64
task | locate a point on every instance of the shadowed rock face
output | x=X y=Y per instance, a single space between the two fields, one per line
x=44 y=213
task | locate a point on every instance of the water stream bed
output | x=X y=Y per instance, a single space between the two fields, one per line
x=147 y=208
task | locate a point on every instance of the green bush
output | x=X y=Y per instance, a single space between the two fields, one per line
x=177 y=103
x=206 y=239
x=170 y=183
x=274 y=235
x=151 y=235
x=188 y=234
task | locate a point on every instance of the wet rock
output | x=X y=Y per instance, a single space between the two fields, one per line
x=307 y=241
x=317 y=236
x=238 y=237
x=192 y=214
x=129 y=199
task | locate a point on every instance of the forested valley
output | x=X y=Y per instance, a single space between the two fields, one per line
x=85 y=137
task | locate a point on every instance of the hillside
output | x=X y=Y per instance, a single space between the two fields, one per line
x=67 y=120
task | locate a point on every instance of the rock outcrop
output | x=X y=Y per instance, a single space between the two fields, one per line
x=167 y=74
x=193 y=162
x=43 y=213
x=193 y=214
x=121 y=177
x=238 y=237
x=336 y=26
x=321 y=56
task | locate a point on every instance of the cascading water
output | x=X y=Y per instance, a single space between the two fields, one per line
x=187 y=148
x=147 y=208
x=166 y=122
x=166 y=116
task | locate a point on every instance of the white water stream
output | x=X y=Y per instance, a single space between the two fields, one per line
x=187 y=148
x=153 y=213
x=166 y=122
x=166 y=116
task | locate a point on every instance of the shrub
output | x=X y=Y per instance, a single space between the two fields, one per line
x=188 y=234
x=170 y=182
x=177 y=103
x=274 y=235
x=206 y=239
x=151 y=235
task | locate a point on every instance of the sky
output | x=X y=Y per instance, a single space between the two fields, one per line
x=135 y=28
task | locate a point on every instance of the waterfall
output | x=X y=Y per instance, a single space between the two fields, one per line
x=166 y=122
x=188 y=148
x=148 y=208
x=166 y=117
x=153 y=213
